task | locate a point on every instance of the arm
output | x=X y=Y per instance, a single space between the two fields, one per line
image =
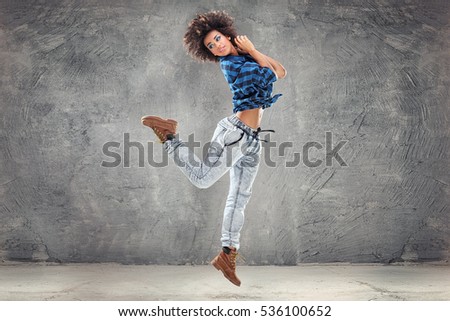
x=280 y=71
x=246 y=45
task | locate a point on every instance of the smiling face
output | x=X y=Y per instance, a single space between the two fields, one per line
x=219 y=44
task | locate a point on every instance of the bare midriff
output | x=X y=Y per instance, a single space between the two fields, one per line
x=252 y=117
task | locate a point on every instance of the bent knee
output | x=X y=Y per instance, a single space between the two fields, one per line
x=202 y=184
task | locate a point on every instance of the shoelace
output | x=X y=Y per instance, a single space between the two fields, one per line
x=233 y=260
x=234 y=256
x=259 y=130
x=159 y=134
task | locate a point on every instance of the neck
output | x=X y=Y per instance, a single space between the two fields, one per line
x=234 y=51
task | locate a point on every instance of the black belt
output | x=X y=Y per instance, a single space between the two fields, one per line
x=259 y=130
x=255 y=133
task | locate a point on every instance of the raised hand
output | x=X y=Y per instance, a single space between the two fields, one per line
x=244 y=44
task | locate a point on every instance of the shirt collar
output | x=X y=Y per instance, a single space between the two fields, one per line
x=234 y=58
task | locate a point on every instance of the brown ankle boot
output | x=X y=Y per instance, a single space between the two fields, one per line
x=227 y=264
x=161 y=127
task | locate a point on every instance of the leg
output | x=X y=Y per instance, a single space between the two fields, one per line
x=223 y=152
x=242 y=176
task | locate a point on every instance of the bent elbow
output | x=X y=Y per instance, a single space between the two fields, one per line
x=282 y=74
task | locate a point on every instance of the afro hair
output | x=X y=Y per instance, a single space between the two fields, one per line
x=200 y=26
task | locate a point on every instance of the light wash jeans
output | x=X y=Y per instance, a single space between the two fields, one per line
x=234 y=147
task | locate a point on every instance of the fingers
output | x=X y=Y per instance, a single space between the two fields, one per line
x=238 y=40
x=241 y=38
x=242 y=41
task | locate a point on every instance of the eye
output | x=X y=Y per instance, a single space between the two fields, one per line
x=210 y=46
x=217 y=38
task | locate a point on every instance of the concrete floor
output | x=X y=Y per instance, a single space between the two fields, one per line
x=31 y=281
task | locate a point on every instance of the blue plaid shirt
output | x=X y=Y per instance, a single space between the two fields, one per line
x=250 y=83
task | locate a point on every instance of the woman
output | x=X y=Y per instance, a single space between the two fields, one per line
x=235 y=145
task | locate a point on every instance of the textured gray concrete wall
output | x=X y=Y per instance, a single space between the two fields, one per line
x=75 y=75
